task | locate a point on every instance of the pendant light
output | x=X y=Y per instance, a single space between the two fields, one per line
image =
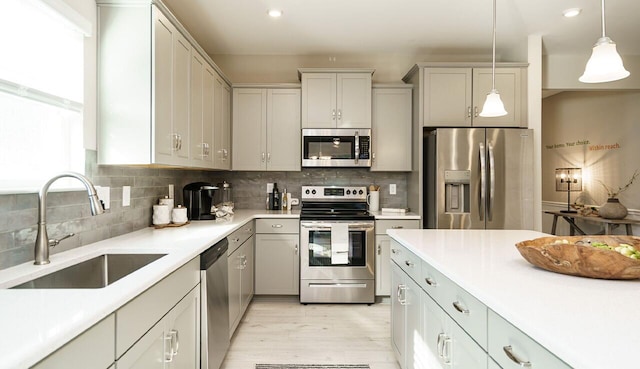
x=605 y=64
x=493 y=106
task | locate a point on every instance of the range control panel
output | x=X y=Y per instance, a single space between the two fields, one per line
x=347 y=193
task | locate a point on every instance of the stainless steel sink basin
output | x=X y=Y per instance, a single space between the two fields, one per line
x=98 y=272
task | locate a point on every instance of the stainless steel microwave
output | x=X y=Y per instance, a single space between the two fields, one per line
x=341 y=147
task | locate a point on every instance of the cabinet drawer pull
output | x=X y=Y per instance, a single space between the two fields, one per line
x=276 y=226
x=509 y=352
x=397 y=227
x=461 y=309
x=249 y=230
x=430 y=282
x=409 y=264
x=395 y=251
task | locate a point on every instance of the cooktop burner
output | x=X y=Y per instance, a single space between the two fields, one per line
x=334 y=203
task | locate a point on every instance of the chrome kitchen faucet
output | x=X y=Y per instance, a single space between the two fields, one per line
x=42 y=240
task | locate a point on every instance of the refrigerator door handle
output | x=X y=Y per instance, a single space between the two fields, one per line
x=492 y=183
x=483 y=177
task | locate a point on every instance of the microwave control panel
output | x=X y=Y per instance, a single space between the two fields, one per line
x=365 y=147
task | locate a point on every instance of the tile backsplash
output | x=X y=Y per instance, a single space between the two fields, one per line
x=69 y=211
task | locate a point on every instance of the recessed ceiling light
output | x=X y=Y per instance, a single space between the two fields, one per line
x=570 y=13
x=275 y=13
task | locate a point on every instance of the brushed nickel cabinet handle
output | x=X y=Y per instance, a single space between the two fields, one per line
x=508 y=350
x=460 y=308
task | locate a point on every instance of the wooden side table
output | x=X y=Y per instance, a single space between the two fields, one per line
x=609 y=224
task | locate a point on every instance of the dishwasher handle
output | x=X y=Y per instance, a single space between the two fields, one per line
x=213 y=253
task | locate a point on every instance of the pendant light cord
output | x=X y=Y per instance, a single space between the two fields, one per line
x=493 y=64
x=603 y=34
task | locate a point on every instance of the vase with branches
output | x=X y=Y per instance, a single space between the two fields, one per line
x=613 y=209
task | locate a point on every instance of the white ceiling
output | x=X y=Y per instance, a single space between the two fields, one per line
x=438 y=27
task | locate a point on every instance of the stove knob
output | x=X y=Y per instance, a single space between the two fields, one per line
x=306 y=192
x=348 y=192
x=313 y=192
x=360 y=192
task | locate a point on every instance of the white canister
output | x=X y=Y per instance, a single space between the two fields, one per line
x=179 y=215
x=167 y=201
x=161 y=214
x=373 y=199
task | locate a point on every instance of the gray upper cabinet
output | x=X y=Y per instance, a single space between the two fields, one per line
x=336 y=98
x=266 y=129
x=391 y=128
x=454 y=96
x=155 y=96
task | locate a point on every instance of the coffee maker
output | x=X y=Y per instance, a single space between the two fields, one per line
x=198 y=198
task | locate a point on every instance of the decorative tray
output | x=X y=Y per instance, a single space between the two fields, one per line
x=585 y=256
x=160 y=226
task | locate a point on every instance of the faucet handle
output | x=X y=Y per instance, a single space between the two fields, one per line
x=54 y=242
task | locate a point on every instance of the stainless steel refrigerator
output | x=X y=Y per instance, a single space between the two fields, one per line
x=477 y=178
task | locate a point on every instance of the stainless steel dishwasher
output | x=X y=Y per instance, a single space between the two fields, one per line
x=214 y=288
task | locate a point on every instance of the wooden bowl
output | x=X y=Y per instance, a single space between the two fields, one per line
x=579 y=258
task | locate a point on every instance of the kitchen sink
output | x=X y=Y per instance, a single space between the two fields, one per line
x=97 y=272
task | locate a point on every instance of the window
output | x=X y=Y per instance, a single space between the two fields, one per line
x=41 y=93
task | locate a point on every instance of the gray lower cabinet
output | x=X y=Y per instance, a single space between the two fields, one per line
x=406 y=314
x=241 y=266
x=277 y=257
x=173 y=342
x=383 y=253
x=92 y=349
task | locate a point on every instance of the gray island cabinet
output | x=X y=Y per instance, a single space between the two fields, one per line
x=467 y=299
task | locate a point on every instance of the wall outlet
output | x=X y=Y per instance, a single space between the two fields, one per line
x=392 y=189
x=171 y=192
x=104 y=194
x=269 y=187
x=126 y=195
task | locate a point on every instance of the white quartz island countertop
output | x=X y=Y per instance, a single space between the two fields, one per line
x=588 y=323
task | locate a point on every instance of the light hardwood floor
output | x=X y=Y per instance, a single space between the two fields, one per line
x=280 y=330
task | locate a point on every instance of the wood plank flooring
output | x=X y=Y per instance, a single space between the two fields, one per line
x=280 y=330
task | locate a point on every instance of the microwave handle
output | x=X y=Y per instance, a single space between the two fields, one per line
x=357 y=147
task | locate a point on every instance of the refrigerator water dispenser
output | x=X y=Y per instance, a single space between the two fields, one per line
x=456 y=191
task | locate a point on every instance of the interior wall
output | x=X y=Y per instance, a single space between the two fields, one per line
x=597 y=131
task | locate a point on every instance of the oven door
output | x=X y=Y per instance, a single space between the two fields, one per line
x=320 y=259
x=336 y=148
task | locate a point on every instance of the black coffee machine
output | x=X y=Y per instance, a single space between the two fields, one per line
x=198 y=198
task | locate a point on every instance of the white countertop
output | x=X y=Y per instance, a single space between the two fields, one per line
x=380 y=215
x=588 y=323
x=36 y=322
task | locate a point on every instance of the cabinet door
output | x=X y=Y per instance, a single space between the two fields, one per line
x=436 y=331
x=414 y=340
x=235 y=272
x=208 y=115
x=447 y=97
x=283 y=129
x=226 y=127
x=277 y=264
x=196 y=112
x=181 y=66
x=163 y=139
x=249 y=129
x=353 y=104
x=383 y=265
x=247 y=282
x=398 y=320
x=221 y=124
x=466 y=352
x=509 y=85
x=319 y=100
x=391 y=127
x=150 y=352
x=183 y=328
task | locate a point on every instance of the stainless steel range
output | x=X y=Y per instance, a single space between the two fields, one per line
x=337 y=246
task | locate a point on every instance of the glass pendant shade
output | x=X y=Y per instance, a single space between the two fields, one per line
x=493 y=106
x=605 y=64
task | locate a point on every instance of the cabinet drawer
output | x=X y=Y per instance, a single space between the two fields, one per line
x=383 y=225
x=466 y=310
x=406 y=260
x=504 y=337
x=91 y=349
x=238 y=237
x=432 y=282
x=141 y=313
x=277 y=226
